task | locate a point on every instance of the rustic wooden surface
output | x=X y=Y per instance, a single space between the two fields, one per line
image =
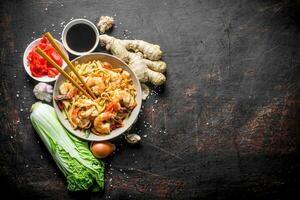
x=224 y=126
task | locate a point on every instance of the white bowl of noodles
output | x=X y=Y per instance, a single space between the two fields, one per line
x=127 y=123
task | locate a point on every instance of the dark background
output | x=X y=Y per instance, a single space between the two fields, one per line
x=224 y=126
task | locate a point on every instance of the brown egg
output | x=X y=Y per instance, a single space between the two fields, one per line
x=102 y=149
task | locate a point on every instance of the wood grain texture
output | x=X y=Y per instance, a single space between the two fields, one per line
x=224 y=126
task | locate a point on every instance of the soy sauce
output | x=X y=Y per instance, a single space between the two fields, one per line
x=81 y=38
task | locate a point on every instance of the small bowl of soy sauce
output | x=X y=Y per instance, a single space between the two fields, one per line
x=80 y=37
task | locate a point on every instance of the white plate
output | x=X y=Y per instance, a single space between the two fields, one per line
x=115 y=62
x=26 y=65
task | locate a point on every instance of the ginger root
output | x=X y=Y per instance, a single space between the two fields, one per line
x=105 y=23
x=142 y=57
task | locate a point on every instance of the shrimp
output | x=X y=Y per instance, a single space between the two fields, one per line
x=88 y=108
x=77 y=120
x=84 y=123
x=125 y=98
x=99 y=126
x=82 y=113
x=67 y=91
x=115 y=84
x=114 y=76
x=89 y=113
x=125 y=75
x=72 y=114
x=97 y=85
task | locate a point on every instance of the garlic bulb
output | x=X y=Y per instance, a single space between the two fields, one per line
x=43 y=91
x=132 y=138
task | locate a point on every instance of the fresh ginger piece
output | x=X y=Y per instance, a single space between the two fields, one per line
x=142 y=57
x=105 y=23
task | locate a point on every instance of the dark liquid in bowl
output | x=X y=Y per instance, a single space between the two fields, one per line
x=81 y=37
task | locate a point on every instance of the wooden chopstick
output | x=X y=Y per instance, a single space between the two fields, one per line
x=63 y=55
x=56 y=66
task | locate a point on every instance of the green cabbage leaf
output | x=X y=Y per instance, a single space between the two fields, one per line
x=72 y=155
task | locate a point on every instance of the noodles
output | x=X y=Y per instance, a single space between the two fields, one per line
x=115 y=100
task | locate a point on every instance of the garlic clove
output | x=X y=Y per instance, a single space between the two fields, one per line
x=132 y=138
x=145 y=91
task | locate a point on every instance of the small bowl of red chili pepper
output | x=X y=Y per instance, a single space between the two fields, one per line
x=36 y=66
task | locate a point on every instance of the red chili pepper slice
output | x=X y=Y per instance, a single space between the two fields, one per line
x=38 y=65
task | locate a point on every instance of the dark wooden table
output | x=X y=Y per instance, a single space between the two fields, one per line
x=224 y=126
